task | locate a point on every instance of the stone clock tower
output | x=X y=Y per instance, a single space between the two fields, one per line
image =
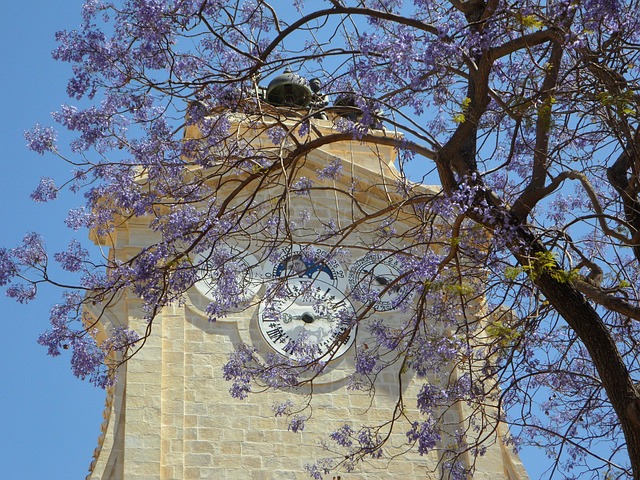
x=171 y=416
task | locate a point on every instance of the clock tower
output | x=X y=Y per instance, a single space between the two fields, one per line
x=315 y=269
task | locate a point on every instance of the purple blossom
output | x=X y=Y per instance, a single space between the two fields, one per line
x=87 y=360
x=425 y=434
x=432 y=352
x=283 y=408
x=227 y=280
x=302 y=186
x=431 y=397
x=456 y=470
x=41 y=139
x=332 y=170
x=22 y=293
x=385 y=335
x=303 y=131
x=370 y=442
x=320 y=468
x=181 y=222
x=314 y=471
x=240 y=389
x=60 y=316
x=74 y=258
x=8 y=268
x=343 y=436
x=237 y=370
x=45 y=191
x=296 y=423
x=31 y=252
x=277 y=135
x=92 y=124
x=367 y=362
x=78 y=218
x=120 y=339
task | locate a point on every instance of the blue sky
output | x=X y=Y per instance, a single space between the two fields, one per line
x=49 y=420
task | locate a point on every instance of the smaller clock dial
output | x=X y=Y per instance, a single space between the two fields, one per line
x=228 y=269
x=307 y=316
x=374 y=277
x=306 y=262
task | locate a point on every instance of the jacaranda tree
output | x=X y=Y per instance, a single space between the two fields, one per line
x=527 y=114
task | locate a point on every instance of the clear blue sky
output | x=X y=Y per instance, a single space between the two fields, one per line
x=49 y=420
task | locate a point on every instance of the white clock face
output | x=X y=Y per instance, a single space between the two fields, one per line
x=375 y=278
x=306 y=262
x=308 y=317
x=239 y=269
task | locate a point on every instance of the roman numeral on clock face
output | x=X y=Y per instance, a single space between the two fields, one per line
x=276 y=334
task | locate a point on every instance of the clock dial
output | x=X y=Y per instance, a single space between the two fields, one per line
x=228 y=270
x=307 y=316
x=374 y=278
x=306 y=262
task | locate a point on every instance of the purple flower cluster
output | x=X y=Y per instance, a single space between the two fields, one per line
x=87 y=359
x=332 y=170
x=433 y=352
x=370 y=442
x=41 y=139
x=78 y=218
x=320 y=468
x=302 y=186
x=425 y=434
x=237 y=370
x=343 y=436
x=8 y=267
x=367 y=362
x=283 y=408
x=296 y=423
x=22 y=293
x=456 y=470
x=303 y=131
x=120 y=339
x=45 y=191
x=92 y=123
x=278 y=136
x=32 y=252
x=430 y=398
x=385 y=335
x=73 y=258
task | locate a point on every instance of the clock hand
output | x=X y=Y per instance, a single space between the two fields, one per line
x=306 y=317
x=382 y=280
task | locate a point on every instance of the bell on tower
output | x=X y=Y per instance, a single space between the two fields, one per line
x=347 y=107
x=289 y=90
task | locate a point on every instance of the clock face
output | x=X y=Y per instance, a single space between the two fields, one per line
x=232 y=266
x=307 y=317
x=375 y=278
x=306 y=262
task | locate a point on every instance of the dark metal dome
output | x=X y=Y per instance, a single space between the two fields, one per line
x=289 y=90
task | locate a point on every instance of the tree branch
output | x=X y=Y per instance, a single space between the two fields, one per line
x=601 y=297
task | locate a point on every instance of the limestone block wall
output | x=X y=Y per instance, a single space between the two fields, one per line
x=180 y=421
